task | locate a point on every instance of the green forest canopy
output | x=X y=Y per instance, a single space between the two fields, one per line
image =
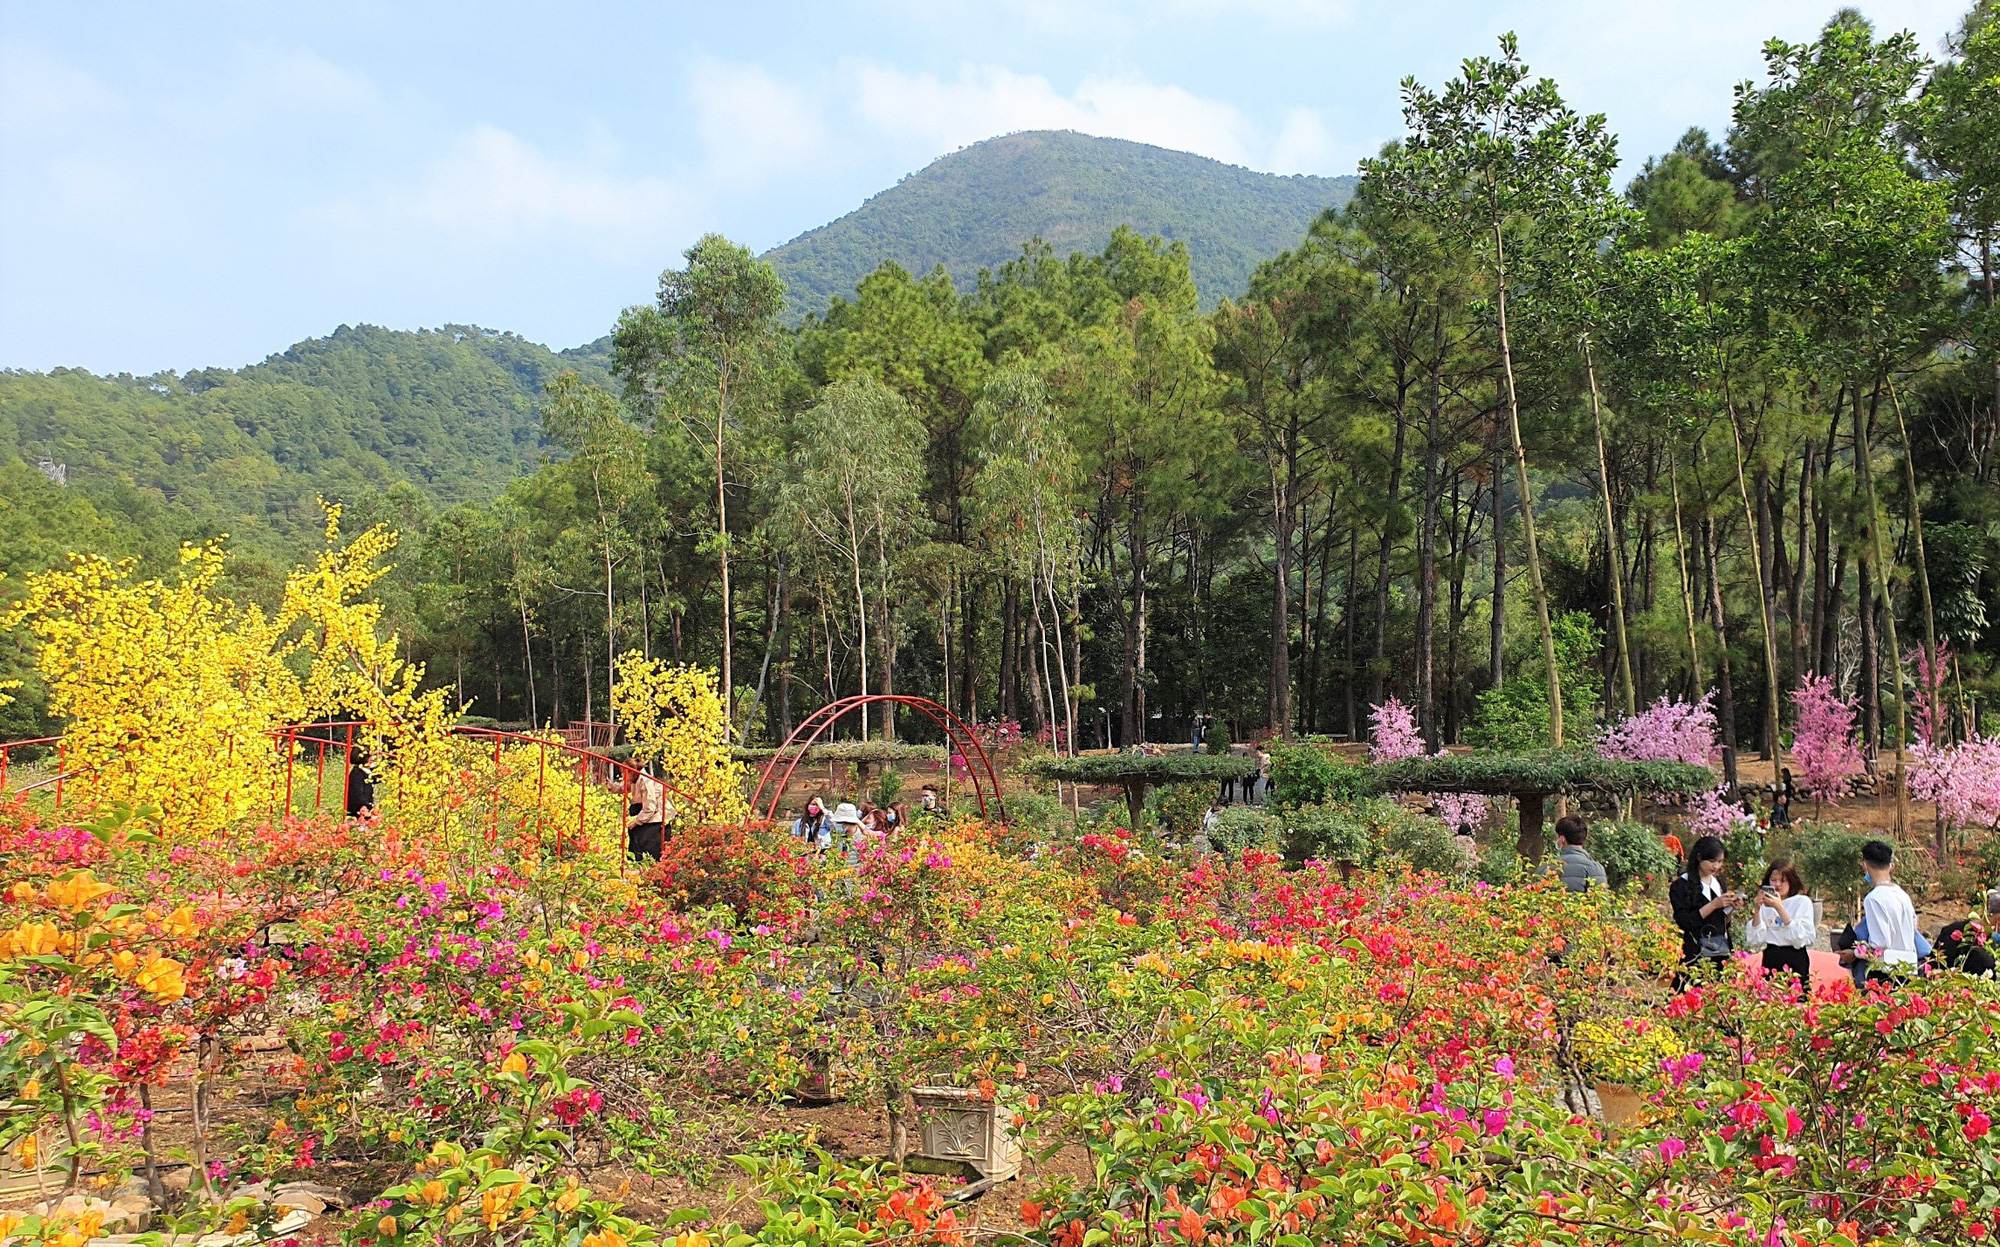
x=1734 y=397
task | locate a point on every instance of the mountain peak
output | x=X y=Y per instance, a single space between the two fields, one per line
x=975 y=207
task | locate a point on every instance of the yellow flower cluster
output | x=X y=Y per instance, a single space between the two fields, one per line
x=675 y=716
x=172 y=692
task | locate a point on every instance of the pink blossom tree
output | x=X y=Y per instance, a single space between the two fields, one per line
x=1823 y=746
x=1669 y=730
x=1714 y=814
x=1962 y=779
x=1393 y=727
x=1394 y=736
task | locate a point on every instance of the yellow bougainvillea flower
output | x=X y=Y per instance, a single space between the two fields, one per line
x=433 y=1193
x=76 y=892
x=569 y=1199
x=386 y=1227
x=21 y=893
x=604 y=1238
x=124 y=963
x=162 y=980
x=180 y=923
x=514 y=1064
x=690 y=1238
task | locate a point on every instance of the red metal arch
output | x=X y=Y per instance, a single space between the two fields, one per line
x=957 y=734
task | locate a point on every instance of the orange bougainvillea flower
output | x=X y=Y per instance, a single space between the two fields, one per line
x=162 y=980
x=1191 y=1226
x=1031 y=1213
x=76 y=892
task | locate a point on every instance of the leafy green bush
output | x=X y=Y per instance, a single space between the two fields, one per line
x=1039 y=811
x=1515 y=716
x=1499 y=863
x=1180 y=808
x=1216 y=739
x=1829 y=856
x=1241 y=827
x=1543 y=771
x=1631 y=853
x=1304 y=773
x=1366 y=831
x=1424 y=842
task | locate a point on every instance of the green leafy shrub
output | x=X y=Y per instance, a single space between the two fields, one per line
x=1829 y=856
x=1304 y=773
x=1515 y=716
x=1366 y=831
x=1216 y=739
x=1424 y=842
x=1631 y=853
x=1180 y=808
x=1241 y=827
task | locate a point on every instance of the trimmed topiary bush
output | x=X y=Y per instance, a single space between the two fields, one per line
x=1304 y=773
x=1241 y=827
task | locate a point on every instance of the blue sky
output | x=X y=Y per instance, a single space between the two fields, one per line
x=192 y=183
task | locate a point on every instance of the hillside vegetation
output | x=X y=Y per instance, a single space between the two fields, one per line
x=975 y=208
x=153 y=460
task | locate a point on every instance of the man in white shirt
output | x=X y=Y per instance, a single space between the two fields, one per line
x=1890 y=917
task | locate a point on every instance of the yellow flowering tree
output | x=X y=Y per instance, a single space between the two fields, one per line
x=172 y=692
x=169 y=689
x=356 y=671
x=675 y=717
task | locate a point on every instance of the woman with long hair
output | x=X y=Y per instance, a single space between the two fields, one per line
x=1785 y=922
x=1702 y=905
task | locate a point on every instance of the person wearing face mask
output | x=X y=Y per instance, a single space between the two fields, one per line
x=1702 y=905
x=1784 y=921
x=814 y=827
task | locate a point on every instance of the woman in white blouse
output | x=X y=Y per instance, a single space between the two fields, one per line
x=1784 y=920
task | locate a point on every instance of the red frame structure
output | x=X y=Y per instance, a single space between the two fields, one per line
x=815 y=725
x=322 y=735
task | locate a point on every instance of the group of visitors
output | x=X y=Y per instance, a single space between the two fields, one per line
x=1883 y=946
x=820 y=828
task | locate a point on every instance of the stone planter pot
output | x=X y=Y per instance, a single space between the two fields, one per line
x=958 y=1125
x=1619 y=1103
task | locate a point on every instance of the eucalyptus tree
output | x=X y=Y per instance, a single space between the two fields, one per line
x=854 y=486
x=606 y=471
x=1485 y=161
x=1850 y=255
x=703 y=357
x=1025 y=502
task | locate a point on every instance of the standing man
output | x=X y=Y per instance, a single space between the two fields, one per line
x=1889 y=919
x=646 y=814
x=1580 y=872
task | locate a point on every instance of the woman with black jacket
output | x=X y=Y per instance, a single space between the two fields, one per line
x=1702 y=905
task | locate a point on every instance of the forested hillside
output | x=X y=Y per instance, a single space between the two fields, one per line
x=162 y=458
x=975 y=208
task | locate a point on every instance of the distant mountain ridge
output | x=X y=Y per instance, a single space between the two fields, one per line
x=974 y=209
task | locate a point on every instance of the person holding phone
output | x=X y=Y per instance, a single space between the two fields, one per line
x=1784 y=921
x=1702 y=905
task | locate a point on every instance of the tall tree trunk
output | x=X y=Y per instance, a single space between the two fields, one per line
x=1687 y=585
x=1916 y=530
x=1347 y=623
x=1496 y=653
x=1772 y=740
x=1711 y=551
x=1282 y=514
x=1378 y=653
x=1427 y=715
x=1533 y=551
x=1614 y=561
x=1874 y=522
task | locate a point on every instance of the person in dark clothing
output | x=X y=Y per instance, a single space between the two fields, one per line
x=360 y=789
x=1968 y=944
x=1781 y=799
x=1702 y=905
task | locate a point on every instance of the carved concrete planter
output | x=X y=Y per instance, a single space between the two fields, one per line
x=958 y=1125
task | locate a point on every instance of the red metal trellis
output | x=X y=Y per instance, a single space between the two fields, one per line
x=957 y=734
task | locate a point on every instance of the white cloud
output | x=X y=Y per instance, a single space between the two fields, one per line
x=493 y=187
x=753 y=127
x=1304 y=145
x=937 y=115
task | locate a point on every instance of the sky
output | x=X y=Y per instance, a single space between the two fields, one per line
x=196 y=184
